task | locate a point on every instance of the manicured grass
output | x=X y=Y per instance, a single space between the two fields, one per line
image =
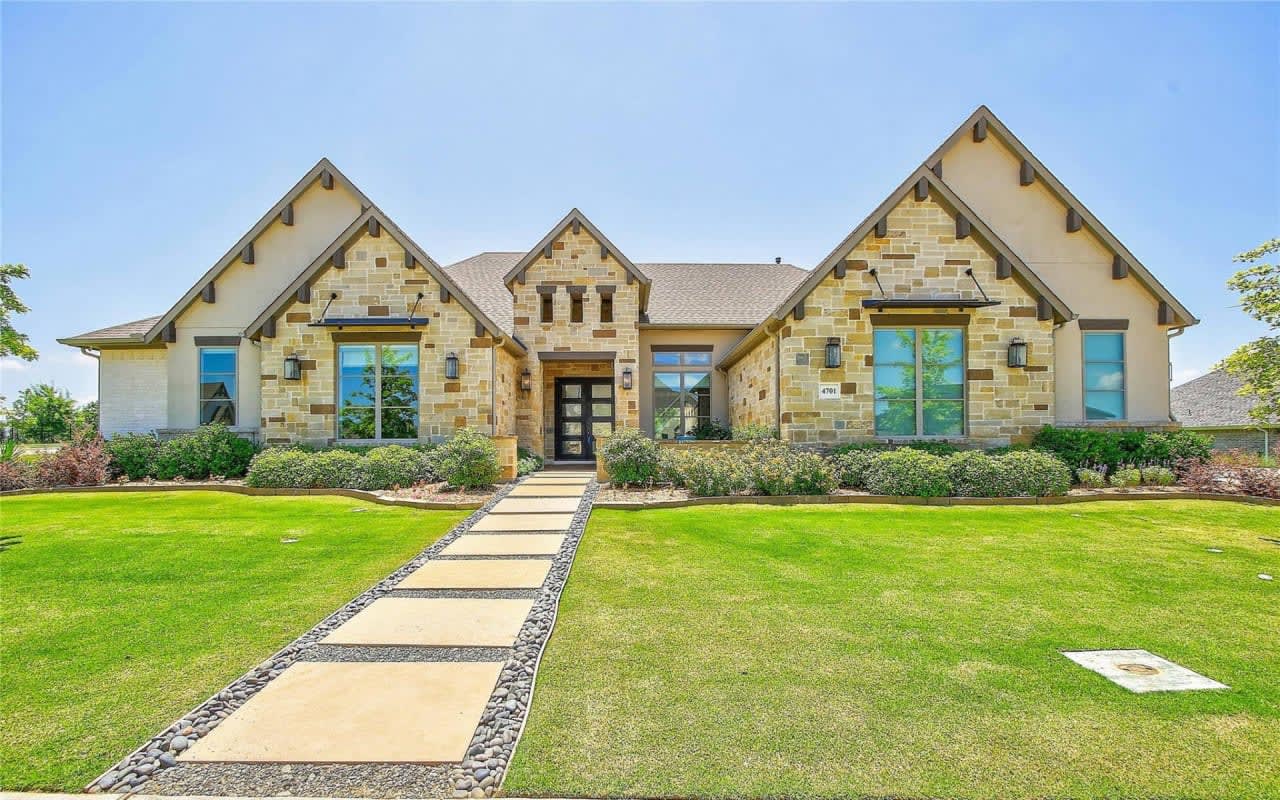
x=120 y=612
x=909 y=652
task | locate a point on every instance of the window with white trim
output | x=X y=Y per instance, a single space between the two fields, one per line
x=377 y=391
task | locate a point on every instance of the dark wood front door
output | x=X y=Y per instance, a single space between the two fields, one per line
x=584 y=411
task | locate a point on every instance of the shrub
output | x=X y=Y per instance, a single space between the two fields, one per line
x=1092 y=478
x=1080 y=447
x=711 y=429
x=1030 y=473
x=468 y=460
x=908 y=472
x=776 y=469
x=84 y=462
x=705 y=473
x=861 y=447
x=208 y=450
x=973 y=473
x=754 y=432
x=1126 y=477
x=630 y=457
x=1083 y=448
x=331 y=469
x=850 y=467
x=280 y=468
x=527 y=461
x=133 y=455
x=1158 y=476
x=393 y=466
x=15 y=474
x=1232 y=472
x=937 y=448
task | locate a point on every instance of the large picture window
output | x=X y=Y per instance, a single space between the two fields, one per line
x=919 y=381
x=681 y=392
x=1104 y=376
x=218 y=385
x=378 y=391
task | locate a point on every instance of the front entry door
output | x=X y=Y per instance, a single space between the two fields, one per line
x=584 y=411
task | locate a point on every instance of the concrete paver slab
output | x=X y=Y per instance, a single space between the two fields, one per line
x=547 y=490
x=523 y=522
x=559 y=481
x=499 y=544
x=536 y=505
x=522 y=573
x=356 y=713
x=434 y=622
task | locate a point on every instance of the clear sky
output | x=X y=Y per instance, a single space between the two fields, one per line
x=141 y=141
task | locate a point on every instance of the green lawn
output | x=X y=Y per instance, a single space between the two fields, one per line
x=909 y=652
x=120 y=612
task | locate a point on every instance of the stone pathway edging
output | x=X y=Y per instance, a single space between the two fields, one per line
x=159 y=753
x=254 y=491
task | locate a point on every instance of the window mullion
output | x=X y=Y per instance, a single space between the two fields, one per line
x=919 y=381
x=377 y=394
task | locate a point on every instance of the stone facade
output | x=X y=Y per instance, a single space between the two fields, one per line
x=375 y=283
x=920 y=256
x=575 y=261
x=753 y=387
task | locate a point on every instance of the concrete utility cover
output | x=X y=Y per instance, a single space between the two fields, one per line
x=536 y=505
x=548 y=490
x=497 y=544
x=434 y=622
x=523 y=573
x=1141 y=671
x=356 y=712
x=523 y=522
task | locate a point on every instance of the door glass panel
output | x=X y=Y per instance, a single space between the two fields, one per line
x=571 y=409
x=601 y=391
x=602 y=410
x=573 y=448
x=571 y=390
x=599 y=429
x=570 y=428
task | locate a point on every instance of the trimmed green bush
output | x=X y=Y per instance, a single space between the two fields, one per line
x=527 y=461
x=908 y=472
x=1158 y=476
x=393 y=466
x=973 y=473
x=1126 y=477
x=1092 y=478
x=468 y=460
x=280 y=468
x=208 y=450
x=337 y=469
x=705 y=473
x=850 y=467
x=1030 y=473
x=1085 y=448
x=630 y=457
x=776 y=469
x=133 y=455
x=754 y=432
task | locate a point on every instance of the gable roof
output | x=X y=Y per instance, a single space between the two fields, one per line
x=576 y=217
x=1212 y=401
x=994 y=125
x=123 y=334
x=1023 y=273
x=324 y=167
x=344 y=239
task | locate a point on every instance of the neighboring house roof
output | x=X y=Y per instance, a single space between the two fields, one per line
x=681 y=295
x=126 y=333
x=1211 y=401
x=324 y=170
x=992 y=124
x=354 y=231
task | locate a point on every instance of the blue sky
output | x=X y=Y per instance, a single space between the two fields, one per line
x=141 y=140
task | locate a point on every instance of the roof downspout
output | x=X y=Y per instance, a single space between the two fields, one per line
x=1173 y=333
x=88 y=351
x=493 y=387
x=777 y=380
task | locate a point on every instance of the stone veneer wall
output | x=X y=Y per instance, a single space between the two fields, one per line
x=920 y=257
x=753 y=397
x=507 y=396
x=375 y=283
x=575 y=261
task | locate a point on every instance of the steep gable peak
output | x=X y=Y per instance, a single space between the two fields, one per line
x=576 y=221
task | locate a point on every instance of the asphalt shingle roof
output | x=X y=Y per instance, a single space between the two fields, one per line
x=739 y=295
x=127 y=330
x=1211 y=401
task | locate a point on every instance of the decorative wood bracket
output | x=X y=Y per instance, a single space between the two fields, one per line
x=304 y=293
x=246 y=255
x=207 y=294
x=326 y=179
x=1164 y=314
x=922 y=189
x=1044 y=310
x=286 y=214
x=170 y=334
x=409 y=261
x=840 y=269
x=1119 y=268
x=340 y=258
x=882 y=228
x=979 y=130
x=375 y=228
x=963 y=227
x=1026 y=173
x=1074 y=221
x=1004 y=268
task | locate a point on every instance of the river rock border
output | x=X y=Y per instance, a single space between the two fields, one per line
x=160 y=752
x=482 y=771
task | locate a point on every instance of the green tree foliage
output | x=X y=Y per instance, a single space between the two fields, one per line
x=1257 y=364
x=13 y=343
x=44 y=414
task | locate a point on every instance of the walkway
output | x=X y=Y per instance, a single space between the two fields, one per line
x=435 y=671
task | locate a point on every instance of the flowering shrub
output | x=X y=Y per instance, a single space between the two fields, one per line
x=705 y=473
x=208 y=450
x=850 y=467
x=393 y=466
x=280 y=468
x=630 y=457
x=1126 y=477
x=973 y=473
x=527 y=461
x=133 y=455
x=908 y=472
x=1092 y=478
x=386 y=467
x=15 y=474
x=754 y=432
x=1158 y=476
x=1031 y=473
x=468 y=460
x=776 y=469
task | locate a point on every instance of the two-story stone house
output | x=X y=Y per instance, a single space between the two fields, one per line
x=980 y=301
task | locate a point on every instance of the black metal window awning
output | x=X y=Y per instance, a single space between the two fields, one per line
x=928 y=302
x=369 y=322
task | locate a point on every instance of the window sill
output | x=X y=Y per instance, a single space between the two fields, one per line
x=374 y=442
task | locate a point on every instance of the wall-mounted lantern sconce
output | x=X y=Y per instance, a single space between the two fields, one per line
x=293 y=368
x=451 y=367
x=833 y=353
x=526 y=381
x=1017 y=353
x=626 y=378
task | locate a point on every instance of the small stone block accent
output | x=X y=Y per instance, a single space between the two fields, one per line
x=523 y=522
x=356 y=713
x=516 y=544
x=1140 y=671
x=434 y=622
x=522 y=573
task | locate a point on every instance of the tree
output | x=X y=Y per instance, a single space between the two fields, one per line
x=1257 y=364
x=86 y=417
x=13 y=343
x=43 y=414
